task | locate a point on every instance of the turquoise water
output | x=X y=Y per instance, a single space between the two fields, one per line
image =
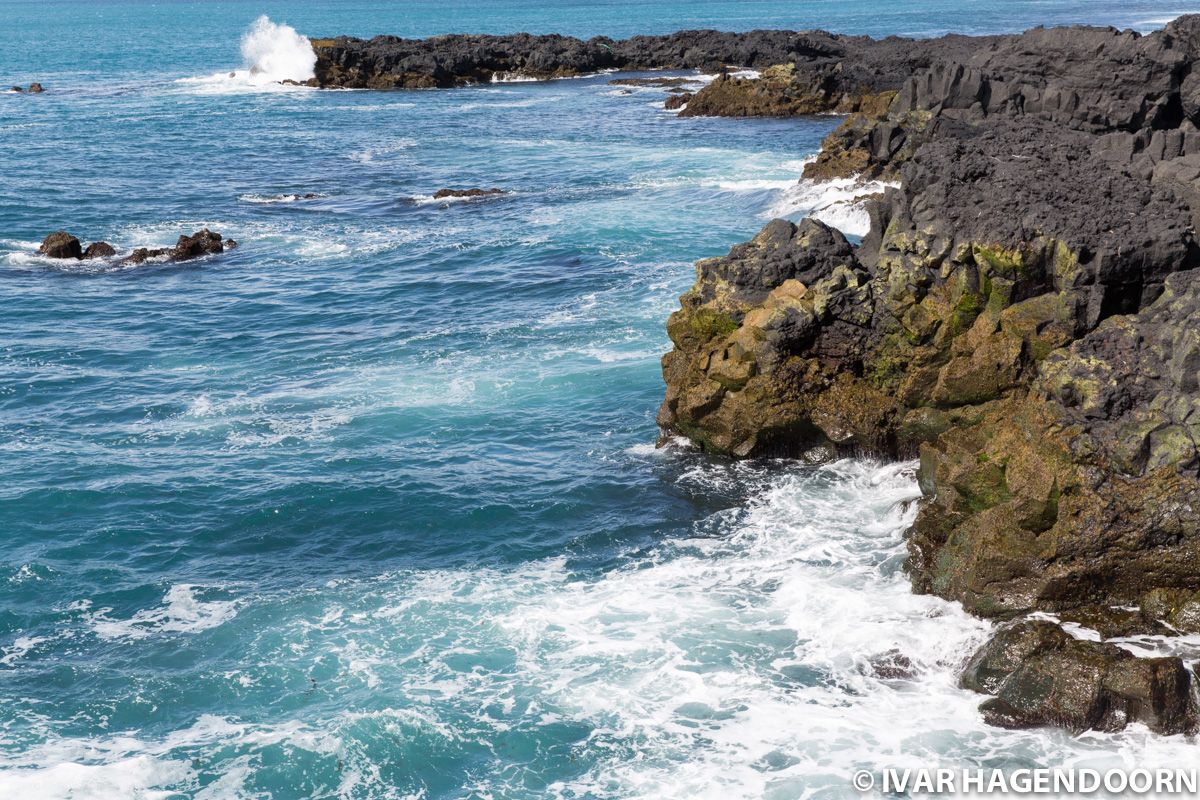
x=369 y=507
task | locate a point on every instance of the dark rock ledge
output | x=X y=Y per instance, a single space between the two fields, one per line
x=1024 y=317
x=389 y=62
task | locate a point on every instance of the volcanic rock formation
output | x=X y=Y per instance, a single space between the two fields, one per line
x=1022 y=316
x=831 y=63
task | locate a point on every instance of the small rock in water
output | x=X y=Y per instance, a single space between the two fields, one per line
x=142 y=254
x=893 y=665
x=677 y=101
x=35 y=88
x=200 y=243
x=17 y=89
x=61 y=244
x=443 y=193
x=99 y=250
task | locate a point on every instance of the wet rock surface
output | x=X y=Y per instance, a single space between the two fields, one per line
x=1021 y=316
x=63 y=245
x=99 y=250
x=677 y=101
x=1042 y=676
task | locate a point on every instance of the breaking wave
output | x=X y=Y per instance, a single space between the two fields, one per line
x=839 y=203
x=271 y=53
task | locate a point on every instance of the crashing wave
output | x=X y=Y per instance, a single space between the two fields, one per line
x=274 y=56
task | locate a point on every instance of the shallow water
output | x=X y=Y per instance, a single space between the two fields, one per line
x=369 y=507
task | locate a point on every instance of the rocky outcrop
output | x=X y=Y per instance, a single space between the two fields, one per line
x=1079 y=495
x=200 y=243
x=781 y=91
x=1116 y=84
x=823 y=59
x=1040 y=675
x=1022 y=317
x=63 y=245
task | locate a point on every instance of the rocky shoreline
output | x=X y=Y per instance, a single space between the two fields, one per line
x=832 y=65
x=1019 y=318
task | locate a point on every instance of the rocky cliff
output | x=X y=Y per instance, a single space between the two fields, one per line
x=1022 y=316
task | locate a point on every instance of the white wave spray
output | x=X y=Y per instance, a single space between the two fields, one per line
x=272 y=53
x=275 y=52
x=839 y=203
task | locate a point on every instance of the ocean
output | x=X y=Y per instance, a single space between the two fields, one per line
x=370 y=506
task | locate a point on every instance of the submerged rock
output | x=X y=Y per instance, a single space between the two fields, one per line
x=1041 y=676
x=892 y=665
x=61 y=244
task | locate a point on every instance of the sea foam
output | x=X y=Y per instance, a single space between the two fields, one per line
x=739 y=661
x=183 y=611
x=839 y=203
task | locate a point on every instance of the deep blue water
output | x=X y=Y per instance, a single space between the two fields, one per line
x=369 y=507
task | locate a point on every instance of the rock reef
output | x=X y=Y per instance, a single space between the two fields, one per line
x=62 y=245
x=1022 y=317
